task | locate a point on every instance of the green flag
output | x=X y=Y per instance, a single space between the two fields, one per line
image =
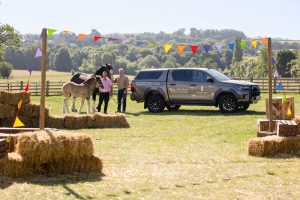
x=243 y=45
x=51 y=31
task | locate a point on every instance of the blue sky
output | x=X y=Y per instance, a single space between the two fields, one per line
x=272 y=18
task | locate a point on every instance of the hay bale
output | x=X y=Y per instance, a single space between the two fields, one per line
x=109 y=121
x=47 y=146
x=53 y=121
x=7 y=111
x=14 y=98
x=32 y=110
x=296 y=119
x=272 y=145
x=29 y=122
x=77 y=122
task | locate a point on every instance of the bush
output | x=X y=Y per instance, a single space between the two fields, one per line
x=5 y=69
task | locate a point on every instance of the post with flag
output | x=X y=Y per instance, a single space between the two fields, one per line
x=270 y=83
x=43 y=78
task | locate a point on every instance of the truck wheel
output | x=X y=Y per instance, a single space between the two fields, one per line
x=155 y=103
x=244 y=107
x=227 y=104
x=173 y=107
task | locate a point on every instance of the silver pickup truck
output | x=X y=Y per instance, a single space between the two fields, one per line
x=171 y=88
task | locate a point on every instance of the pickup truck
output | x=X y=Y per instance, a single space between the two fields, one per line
x=171 y=88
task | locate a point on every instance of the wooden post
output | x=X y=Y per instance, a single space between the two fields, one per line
x=274 y=85
x=43 y=78
x=270 y=83
x=21 y=85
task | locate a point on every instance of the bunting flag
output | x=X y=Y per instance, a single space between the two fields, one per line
x=168 y=47
x=97 y=38
x=50 y=31
x=38 y=53
x=206 y=47
x=283 y=98
x=18 y=123
x=219 y=48
x=231 y=46
x=276 y=74
x=112 y=39
x=279 y=86
x=289 y=111
x=126 y=42
x=29 y=69
x=67 y=31
x=273 y=61
x=8 y=139
x=243 y=44
x=152 y=44
x=180 y=48
x=82 y=36
x=254 y=43
x=264 y=40
x=194 y=49
x=139 y=43
x=27 y=87
x=20 y=104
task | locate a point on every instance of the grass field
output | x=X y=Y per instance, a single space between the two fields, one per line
x=194 y=153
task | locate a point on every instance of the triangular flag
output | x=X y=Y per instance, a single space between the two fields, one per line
x=264 y=40
x=168 y=47
x=279 y=86
x=29 y=69
x=20 y=104
x=18 y=123
x=283 y=98
x=219 y=47
x=97 y=38
x=152 y=44
x=139 y=43
x=27 y=88
x=254 y=43
x=51 y=31
x=180 y=48
x=206 y=47
x=194 y=48
x=231 y=46
x=273 y=61
x=112 y=39
x=8 y=139
x=82 y=36
x=38 y=53
x=243 y=44
x=67 y=31
x=289 y=112
x=276 y=74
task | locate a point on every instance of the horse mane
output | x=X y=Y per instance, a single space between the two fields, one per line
x=88 y=80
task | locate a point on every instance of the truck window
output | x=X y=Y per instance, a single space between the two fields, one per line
x=199 y=76
x=148 y=75
x=181 y=75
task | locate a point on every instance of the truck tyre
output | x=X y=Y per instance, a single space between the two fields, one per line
x=155 y=103
x=228 y=104
x=173 y=107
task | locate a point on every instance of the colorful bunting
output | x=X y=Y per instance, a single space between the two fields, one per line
x=180 y=48
x=27 y=87
x=168 y=47
x=279 y=86
x=264 y=40
x=50 y=31
x=289 y=111
x=38 y=53
x=20 y=104
x=139 y=43
x=82 y=36
x=67 y=31
x=231 y=46
x=219 y=48
x=194 y=48
x=273 y=61
x=254 y=43
x=206 y=47
x=276 y=74
x=97 y=38
x=243 y=44
x=112 y=39
x=152 y=44
x=283 y=98
x=29 y=69
x=18 y=123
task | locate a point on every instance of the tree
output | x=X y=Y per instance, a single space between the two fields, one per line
x=62 y=61
x=237 y=53
x=149 y=62
x=5 y=69
x=261 y=70
x=227 y=59
x=283 y=62
x=295 y=66
x=8 y=36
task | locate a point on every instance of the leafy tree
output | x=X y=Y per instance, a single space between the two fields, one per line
x=149 y=62
x=5 y=69
x=170 y=63
x=237 y=53
x=295 y=66
x=86 y=67
x=261 y=70
x=283 y=62
x=227 y=59
x=108 y=58
x=62 y=61
x=8 y=36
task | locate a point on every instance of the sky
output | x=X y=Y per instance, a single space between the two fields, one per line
x=265 y=18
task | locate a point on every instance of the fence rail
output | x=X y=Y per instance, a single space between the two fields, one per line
x=53 y=88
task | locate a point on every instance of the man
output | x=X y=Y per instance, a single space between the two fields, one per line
x=123 y=84
x=105 y=92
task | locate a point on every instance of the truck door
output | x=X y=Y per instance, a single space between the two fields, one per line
x=178 y=84
x=200 y=89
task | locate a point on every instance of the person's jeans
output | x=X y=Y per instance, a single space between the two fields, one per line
x=104 y=96
x=122 y=99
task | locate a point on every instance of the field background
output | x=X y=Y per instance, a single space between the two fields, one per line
x=194 y=153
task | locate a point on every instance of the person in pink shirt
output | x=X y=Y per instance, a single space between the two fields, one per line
x=105 y=92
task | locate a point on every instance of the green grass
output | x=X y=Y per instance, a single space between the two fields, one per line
x=194 y=153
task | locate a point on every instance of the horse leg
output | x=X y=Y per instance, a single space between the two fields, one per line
x=94 y=95
x=81 y=105
x=73 y=105
x=88 y=105
x=66 y=104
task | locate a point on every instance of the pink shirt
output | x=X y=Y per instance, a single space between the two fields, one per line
x=106 y=85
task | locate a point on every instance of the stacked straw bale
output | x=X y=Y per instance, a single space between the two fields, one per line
x=7 y=111
x=13 y=99
x=53 y=121
x=51 y=152
x=272 y=145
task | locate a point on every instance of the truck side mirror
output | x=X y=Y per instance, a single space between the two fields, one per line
x=209 y=80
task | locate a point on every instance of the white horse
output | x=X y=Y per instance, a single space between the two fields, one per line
x=83 y=90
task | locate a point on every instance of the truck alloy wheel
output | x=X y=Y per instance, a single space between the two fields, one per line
x=156 y=103
x=228 y=104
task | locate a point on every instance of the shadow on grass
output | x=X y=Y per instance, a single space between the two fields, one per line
x=60 y=180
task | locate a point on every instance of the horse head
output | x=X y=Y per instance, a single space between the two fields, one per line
x=99 y=82
x=107 y=67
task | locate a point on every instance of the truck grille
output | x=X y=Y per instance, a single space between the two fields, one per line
x=255 y=90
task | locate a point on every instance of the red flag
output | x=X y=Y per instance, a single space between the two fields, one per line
x=27 y=88
x=97 y=38
x=194 y=48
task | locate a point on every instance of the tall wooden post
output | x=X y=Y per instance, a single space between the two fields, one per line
x=43 y=78
x=270 y=83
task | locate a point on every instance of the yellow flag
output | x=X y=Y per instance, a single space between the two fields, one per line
x=180 y=48
x=168 y=47
x=289 y=112
x=20 y=104
x=254 y=43
x=18 y=123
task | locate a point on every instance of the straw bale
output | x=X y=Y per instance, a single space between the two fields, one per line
x=32 y=110
x=53 y=121
x=29 y=122
x=45 y=146
x=14 y=98
x=7 y=111
x=109 y=121
x=77 y=122
x=272 y=145
x=296 y=119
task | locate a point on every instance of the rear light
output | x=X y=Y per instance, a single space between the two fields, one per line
x=132 y=87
